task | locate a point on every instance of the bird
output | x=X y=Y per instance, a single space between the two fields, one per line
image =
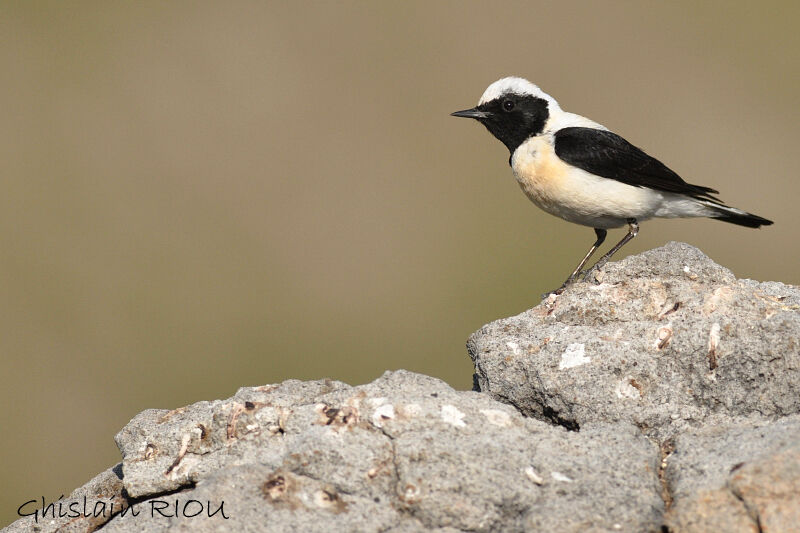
x=578 y=170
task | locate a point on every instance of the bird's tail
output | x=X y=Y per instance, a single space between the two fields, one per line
x=736 y=216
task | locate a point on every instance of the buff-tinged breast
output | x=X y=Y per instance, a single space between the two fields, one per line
x=574 y=194
x=541 y=174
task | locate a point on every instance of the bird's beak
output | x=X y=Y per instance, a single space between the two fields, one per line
x=470 y=113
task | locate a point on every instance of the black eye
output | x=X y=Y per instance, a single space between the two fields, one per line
x=508 y=105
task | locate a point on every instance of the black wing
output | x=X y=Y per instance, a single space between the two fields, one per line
x=608 y=155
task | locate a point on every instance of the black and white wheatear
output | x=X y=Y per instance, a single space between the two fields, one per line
x=576 y=169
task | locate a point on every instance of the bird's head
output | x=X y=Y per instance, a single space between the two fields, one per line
x=513 y=110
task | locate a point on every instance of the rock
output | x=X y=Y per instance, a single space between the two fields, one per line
x=664 y=397
x=668 y=341
x=743 y=477
x=404 y=453
x=85 y=509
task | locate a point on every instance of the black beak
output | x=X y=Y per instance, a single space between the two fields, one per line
x=471 y=113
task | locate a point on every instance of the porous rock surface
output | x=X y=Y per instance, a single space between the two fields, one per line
x=661 y=397
x=741 y=477
x=668 y=340
x=404 y=453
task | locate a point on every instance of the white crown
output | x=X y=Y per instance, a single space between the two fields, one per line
x=516 y=86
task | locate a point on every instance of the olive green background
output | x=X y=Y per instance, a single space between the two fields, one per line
x=198 y=196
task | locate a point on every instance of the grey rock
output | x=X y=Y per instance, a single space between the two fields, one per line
x=664 y=394
x=85 y=509
x=743 y=477
x=666 y=340
x=404 y=453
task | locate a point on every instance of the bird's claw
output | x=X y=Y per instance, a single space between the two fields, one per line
x=590 y=274
x=559 y=290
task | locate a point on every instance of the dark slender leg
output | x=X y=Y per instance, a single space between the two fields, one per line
x=633 y=231
x=601 y=236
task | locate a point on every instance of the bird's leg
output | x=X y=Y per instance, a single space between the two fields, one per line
x=601 y=236
x=633 y=231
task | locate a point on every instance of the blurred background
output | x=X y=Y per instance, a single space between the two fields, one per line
x=202 y=196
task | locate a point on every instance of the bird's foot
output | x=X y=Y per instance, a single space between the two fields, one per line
x=553 y=294
x=590 y=275
x=550 y=295
x=559 y=290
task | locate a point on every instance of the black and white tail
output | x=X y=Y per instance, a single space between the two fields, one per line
x=737 y=216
